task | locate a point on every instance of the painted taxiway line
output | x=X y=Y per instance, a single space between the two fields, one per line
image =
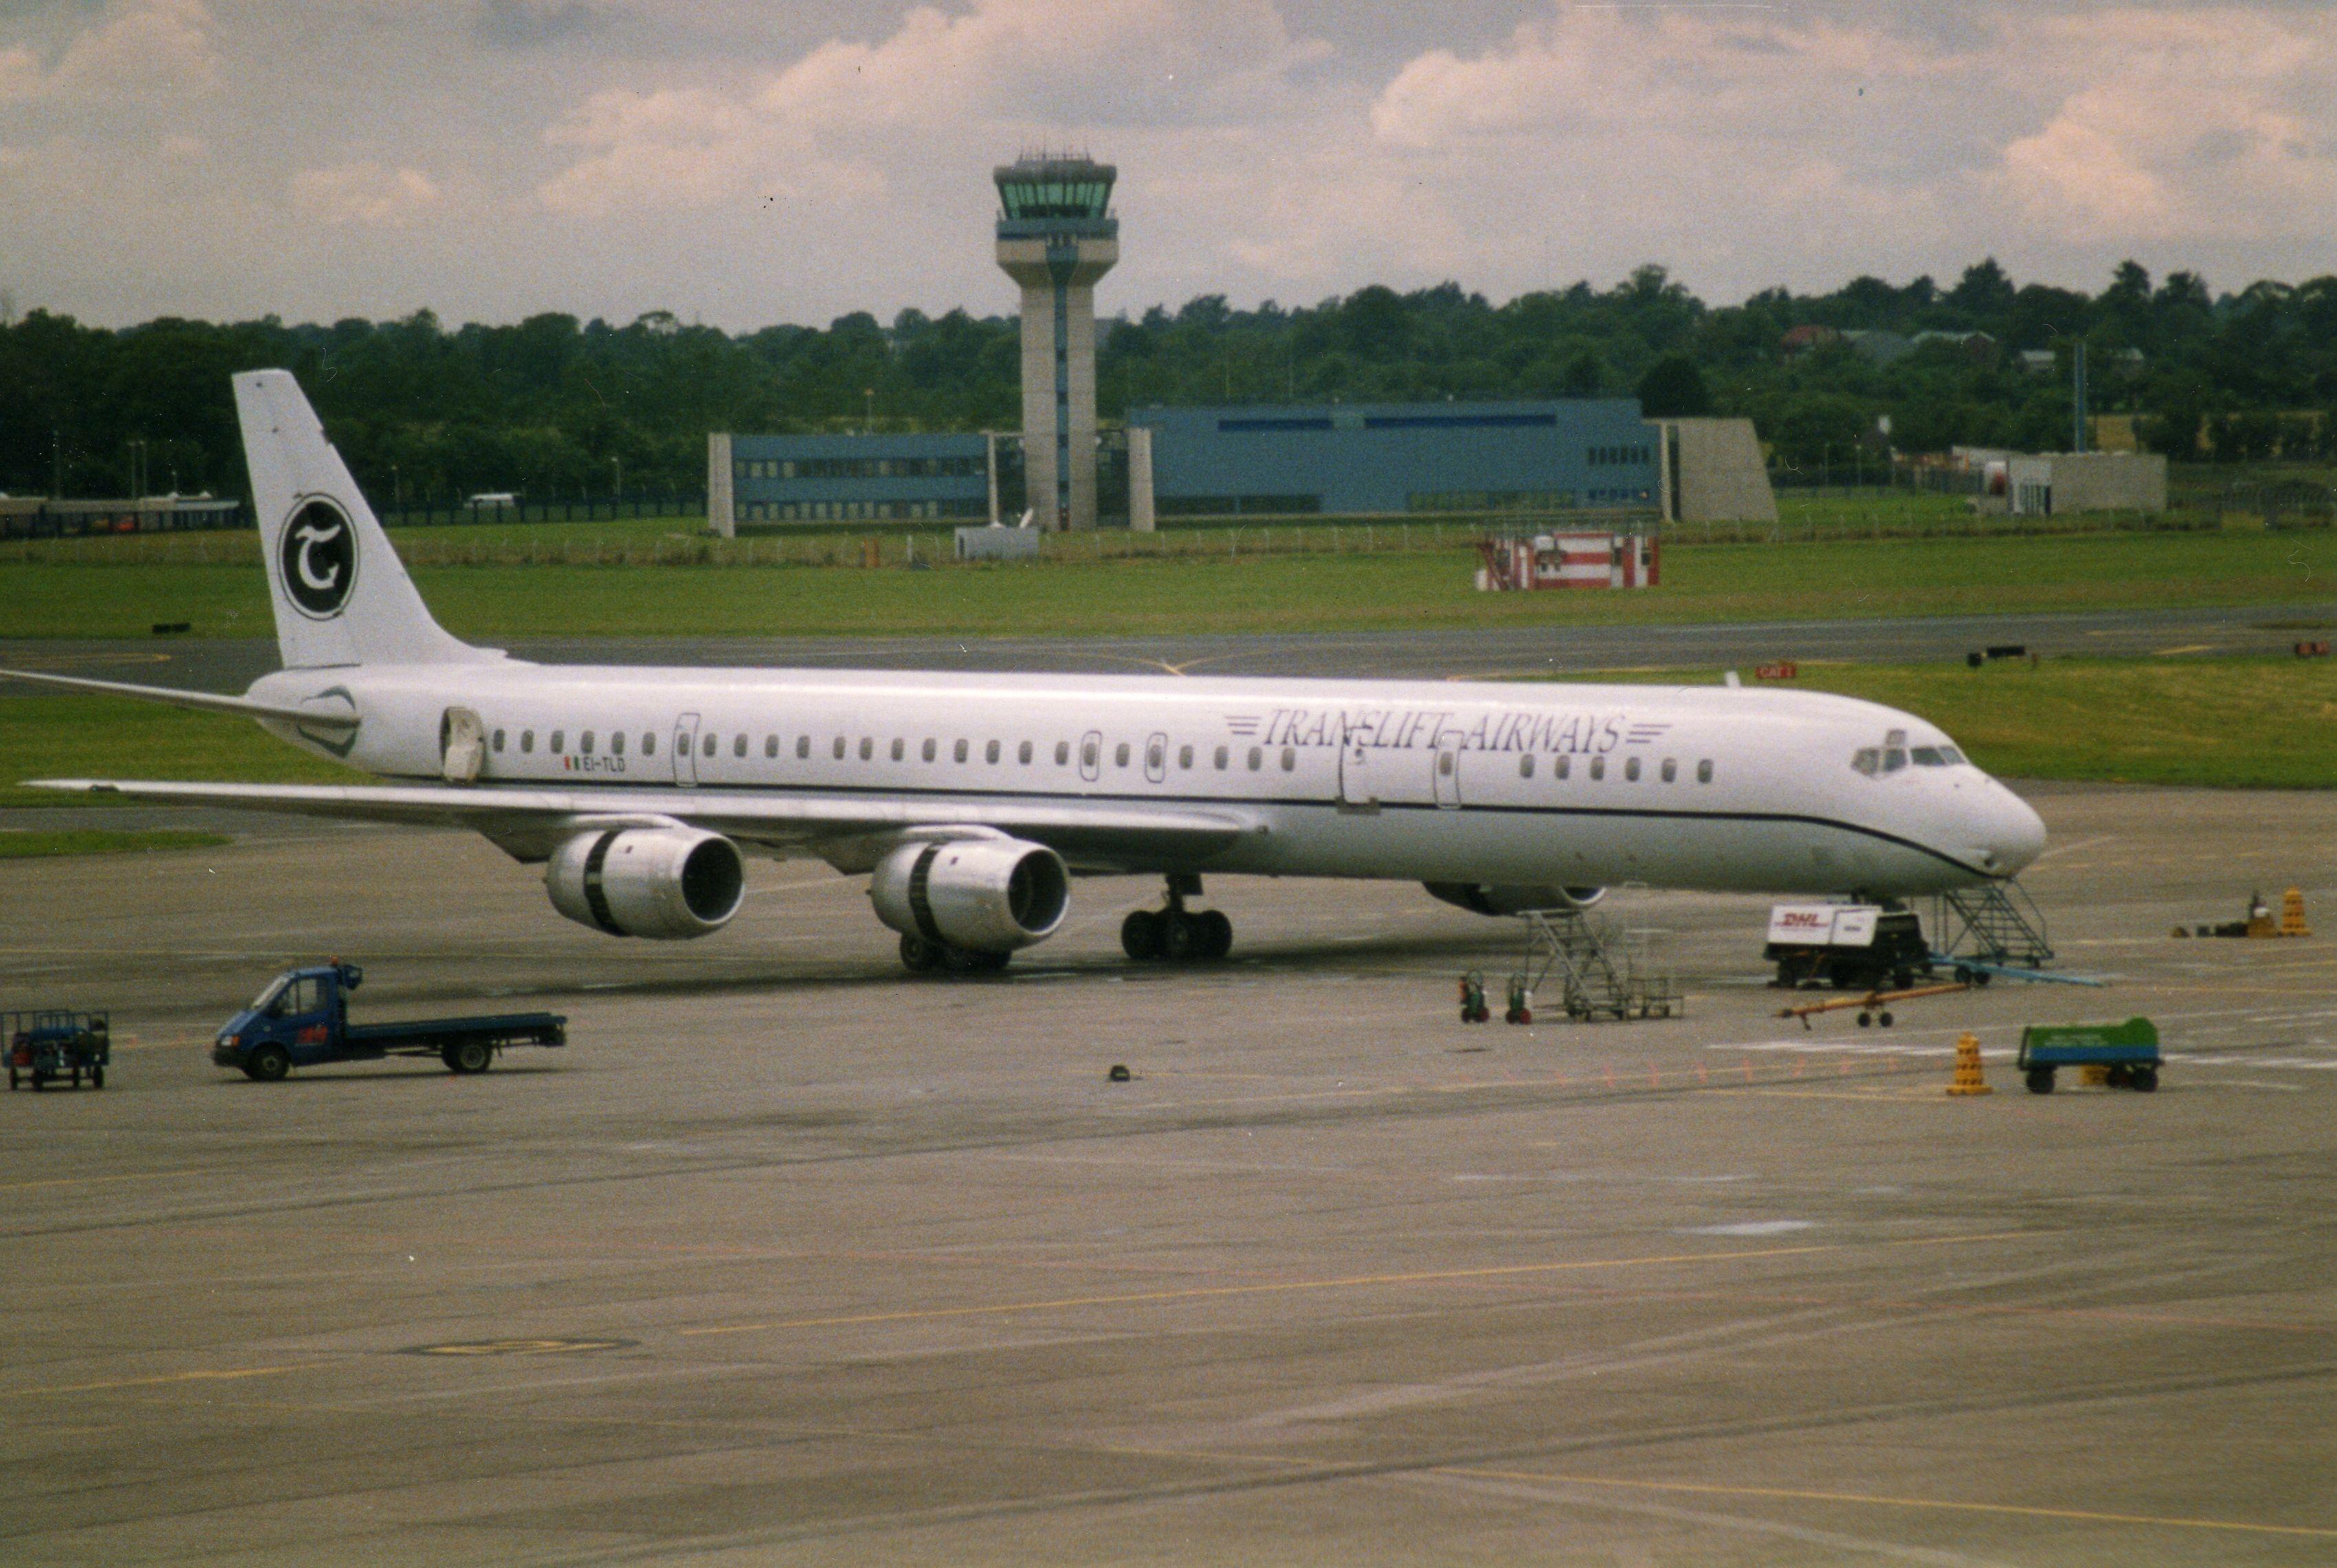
x=1343 y=1282
x=1877 y=1500
x=230 y=1376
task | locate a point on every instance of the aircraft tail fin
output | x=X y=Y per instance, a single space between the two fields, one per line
x=341 y=594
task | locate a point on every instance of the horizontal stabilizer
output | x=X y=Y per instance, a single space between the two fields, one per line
x=212 y=702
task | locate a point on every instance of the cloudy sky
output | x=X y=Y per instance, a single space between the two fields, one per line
x=743 y=163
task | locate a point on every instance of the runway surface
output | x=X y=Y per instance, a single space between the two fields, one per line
x=787 y=1258
x=224 y=664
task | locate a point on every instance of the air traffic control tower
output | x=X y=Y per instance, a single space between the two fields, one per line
x=1056 y=238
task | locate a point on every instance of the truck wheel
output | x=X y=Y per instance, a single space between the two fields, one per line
x=468 y=1056
x=11 y=1078
x=2041 y=1080
x=97 y=1077
x=2144 y=1080
x=269 y=1064
x=40 y=1080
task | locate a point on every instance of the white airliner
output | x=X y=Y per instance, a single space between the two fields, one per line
x=973 y=799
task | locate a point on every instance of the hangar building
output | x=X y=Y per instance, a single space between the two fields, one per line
x=1399 y=457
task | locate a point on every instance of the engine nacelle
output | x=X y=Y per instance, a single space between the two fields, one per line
x=663 y=883
x=1487 y=899
x=983 y=895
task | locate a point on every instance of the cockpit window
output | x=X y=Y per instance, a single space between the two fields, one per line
x=1893 y=758
x=1936 y=756
x=1868 y=761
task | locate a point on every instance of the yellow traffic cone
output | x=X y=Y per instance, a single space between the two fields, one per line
x=2292 y=914
x=1968 y=1076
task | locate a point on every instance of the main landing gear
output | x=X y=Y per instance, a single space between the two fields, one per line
x=923 y=956
x=1175 y=934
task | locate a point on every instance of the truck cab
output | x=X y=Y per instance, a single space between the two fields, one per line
x=299 y=1019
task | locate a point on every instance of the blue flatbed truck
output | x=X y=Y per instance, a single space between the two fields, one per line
x=302 y=1019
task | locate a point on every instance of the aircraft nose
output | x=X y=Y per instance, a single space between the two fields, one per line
x=2010 y=833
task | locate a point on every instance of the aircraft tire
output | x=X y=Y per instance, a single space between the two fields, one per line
x=1141 y=935
x=1181 y=937
x=1216 y=934
x=919 y=955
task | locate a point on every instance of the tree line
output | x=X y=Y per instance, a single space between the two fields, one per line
x=555 y=408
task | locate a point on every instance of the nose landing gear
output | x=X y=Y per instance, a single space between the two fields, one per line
x=1175 y=934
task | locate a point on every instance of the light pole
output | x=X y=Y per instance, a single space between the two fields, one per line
x=137 y=451
x=868 y=419
x=396 y=490
x=617 y=468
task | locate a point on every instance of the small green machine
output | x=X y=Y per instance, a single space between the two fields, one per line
x=2127 y=1052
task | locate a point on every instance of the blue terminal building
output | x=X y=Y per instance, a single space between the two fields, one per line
x=1404 y=457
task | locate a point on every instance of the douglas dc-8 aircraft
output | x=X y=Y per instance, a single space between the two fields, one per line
x=971 y=800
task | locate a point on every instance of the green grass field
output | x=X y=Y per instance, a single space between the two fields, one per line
x=116 y=737
x=23 y=845
x=1316 y=591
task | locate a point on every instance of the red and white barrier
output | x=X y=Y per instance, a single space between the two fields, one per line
x=1570 y=561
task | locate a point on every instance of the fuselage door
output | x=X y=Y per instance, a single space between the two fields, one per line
x=1448 y=773
x=462 y=746
x=685 y=750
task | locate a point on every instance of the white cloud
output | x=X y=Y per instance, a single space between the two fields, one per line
x=365 y=193
x=841 y=120
x=142 y=52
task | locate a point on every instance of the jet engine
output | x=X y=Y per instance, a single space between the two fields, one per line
x=1488 y=899
x=978 y=895
x=664 y=882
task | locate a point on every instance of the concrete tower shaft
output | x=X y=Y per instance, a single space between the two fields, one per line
x=1056 y=237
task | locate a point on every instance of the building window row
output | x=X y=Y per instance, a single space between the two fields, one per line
x=1613 y=456
x=863 y=468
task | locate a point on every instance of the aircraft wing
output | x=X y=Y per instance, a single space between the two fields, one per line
x=532 y=821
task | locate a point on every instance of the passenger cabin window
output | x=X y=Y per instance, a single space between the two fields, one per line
x=499 y=740
x=1257 y=759
x=527 y=740
x=1704 y=771
x=559 y=738
x=802 y=749
x=616 y=742
x=1184 y=756
x=1631 y=769
x=931 y=748
x=1088 y=752
x=1525 y=764
x=900 y=748
x=770 y=747
x=1444 y=764
x=587 y=747
x=739 y=743
x=960 y=751
x=990 y=752
x=1564 y=766
x=649 y=743
x=1289 y=758
x=1221 y=759
x=711 y=741
x=1155 y=757
x=1598 y=768
x=1671 y=770
x=868 y=749
x=1062 y=752
x=1119 y=757
x=1024 y=754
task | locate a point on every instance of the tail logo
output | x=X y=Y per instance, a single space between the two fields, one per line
x=316 y=559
